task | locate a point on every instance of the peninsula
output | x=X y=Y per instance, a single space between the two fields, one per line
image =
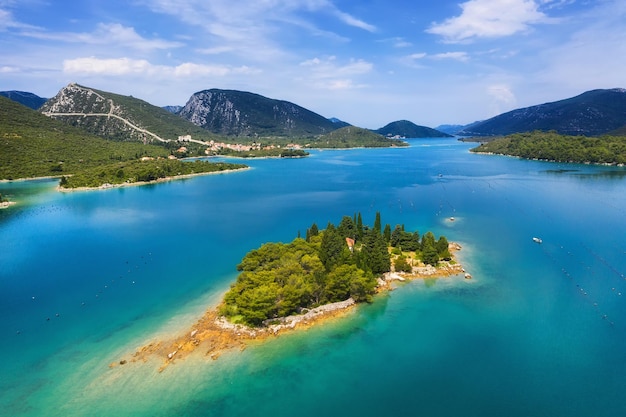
x=282 y=287
x=147 y=170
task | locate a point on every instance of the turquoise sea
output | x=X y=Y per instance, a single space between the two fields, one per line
x=540 y=330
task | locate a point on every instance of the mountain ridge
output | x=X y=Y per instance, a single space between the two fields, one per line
x=241 y=113
x=25 y=98
x=591 y=113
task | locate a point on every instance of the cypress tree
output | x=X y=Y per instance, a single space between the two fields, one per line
x=377 y=224
x=387 y=233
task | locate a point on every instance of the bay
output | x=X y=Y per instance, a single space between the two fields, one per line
x=87 y=277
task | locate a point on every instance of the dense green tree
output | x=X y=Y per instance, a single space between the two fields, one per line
x=405 y=240
x=280 y=279
x=401 y=264
x=333 y=249
x=443 y=249
x=428 y=240
x=312 y=231
x=347 y=228
x=387 y=233
x=374 y=254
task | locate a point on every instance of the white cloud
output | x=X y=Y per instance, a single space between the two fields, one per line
x=8 y=69
x=106 y=34
x=457 y=56
x=7 y=21
x=353 y=21
x=115 y=67
x=490 y=19
x=502 y=93
x=411 y=60
x=126 y=66
x=327 y=74
x=255 y=28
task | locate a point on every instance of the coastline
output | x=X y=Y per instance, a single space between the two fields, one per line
x=217 y=335
x=140 y=183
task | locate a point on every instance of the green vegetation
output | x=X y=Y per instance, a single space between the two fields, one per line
x=264 y=153
x=141 y=171
x=551 y=146
x=407 y=129
x=33 y=145
x=327 y=266
x=355 y=137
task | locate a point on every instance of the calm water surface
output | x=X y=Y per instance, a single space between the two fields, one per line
x=87 y=277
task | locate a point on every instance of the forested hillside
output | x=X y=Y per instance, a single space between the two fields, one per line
x=551 y=146
x=33 y=145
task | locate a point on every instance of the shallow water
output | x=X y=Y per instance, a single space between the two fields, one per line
x=538 y=331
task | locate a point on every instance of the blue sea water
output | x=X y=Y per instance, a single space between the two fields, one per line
x=540 y=330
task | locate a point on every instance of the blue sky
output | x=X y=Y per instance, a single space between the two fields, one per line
x=368 y=62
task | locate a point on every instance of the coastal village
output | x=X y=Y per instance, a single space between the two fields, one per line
x=215 y=148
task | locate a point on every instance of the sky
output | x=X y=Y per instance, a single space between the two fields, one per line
x=367 y=62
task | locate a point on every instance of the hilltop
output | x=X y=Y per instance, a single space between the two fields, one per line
x=33 y=145
x=407 y=129
x=240 y=113
x=592 y=113
x=118 y=117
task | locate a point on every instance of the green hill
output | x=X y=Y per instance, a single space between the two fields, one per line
x=119 y=117
x=551 y=146
x=355 y=137
x=33 y=145
x=407 y=129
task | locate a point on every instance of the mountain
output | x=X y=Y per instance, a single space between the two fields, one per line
x=592 y=113
x=406 y=129
x=33 y=145
x=239 y=113
x=339 y=123
x=173 y=109
x=118 y=117
x=353 y=137
x=27 y=99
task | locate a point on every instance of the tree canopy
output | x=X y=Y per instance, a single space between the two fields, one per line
x=552 y=146
x=330 y=265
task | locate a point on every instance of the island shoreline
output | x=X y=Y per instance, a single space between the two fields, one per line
x=217 y=335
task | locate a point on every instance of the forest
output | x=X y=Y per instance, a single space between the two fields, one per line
x=551 y=146
x=326 y=266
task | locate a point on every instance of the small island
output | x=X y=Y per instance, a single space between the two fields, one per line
x=5 y=202
x=282 y=286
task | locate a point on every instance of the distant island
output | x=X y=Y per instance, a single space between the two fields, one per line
x=5 y=202
x=283 y=286
x=551 y=146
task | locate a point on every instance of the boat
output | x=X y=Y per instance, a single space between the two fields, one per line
x=537 y=240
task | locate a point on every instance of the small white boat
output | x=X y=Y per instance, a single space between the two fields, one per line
x=537 y=240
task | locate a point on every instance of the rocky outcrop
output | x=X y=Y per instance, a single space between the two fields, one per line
x=239 y=113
